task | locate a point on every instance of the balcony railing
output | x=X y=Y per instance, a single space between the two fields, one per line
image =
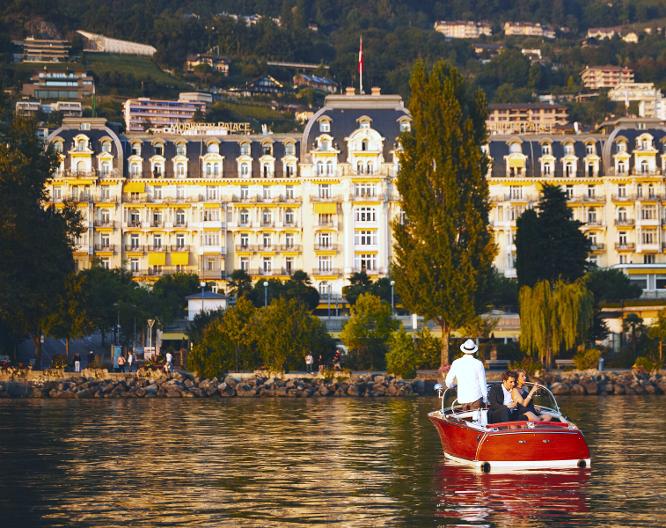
x=597 y=247
x=98 y=222
x=624 y=222
x=625 y=246
x=623 y=198
x=290 y=247
x=106 y=247
x=179 y=248
x=134 y=223
x=135 y=247
x=326 y=271
x=156 y=248
x=326 y=247
x=331 y=198
x=273 y=272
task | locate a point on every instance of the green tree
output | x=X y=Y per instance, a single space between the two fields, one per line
x=428 y=348
x=549 y=243
x=239 y=332
x=444 y=247
x=239 y=284
x=36 y=241
x=170 y=293
x=286 y=331
x=633 y=324
x=359 y=283
x=402 y=358
x=658 y=331
x=554 y=315
x=367 y=331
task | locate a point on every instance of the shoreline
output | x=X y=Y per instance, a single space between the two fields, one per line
x=100 y=384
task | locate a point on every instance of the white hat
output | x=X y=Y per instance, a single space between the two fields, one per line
x=469 y=347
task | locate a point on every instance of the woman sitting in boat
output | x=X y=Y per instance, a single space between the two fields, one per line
x=523 y=398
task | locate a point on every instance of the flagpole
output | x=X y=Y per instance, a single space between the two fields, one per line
x=360 y=65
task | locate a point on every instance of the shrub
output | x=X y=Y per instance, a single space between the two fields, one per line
x=645 y=364
x=59 y=361
x=528 y=364
x=587 y=359
x=402 y=358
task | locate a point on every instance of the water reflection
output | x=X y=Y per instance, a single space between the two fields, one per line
x=516 y=498
x=349 y=462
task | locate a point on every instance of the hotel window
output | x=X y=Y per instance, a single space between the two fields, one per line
x=545 y=149
x=213 y=148
x=136 y=149
x=329 y=168
x=365 y=238
x=319 y=168
x=104 y=240
x=211 y=193
x=568 y=149
x=211 y=215
x=568 y=169
x=289 y=149
x=180 y=240
x=324 y=263
x=266 y=193
x=135 y=170
x=180 y=192
x=106 y=147
x=325 y=219
x=105 y=216
x=289 y=265
x=365 y=190
x=134 y=265
x=180 y=170
x=591 y=216
x=324 y=240
x=266 y=265
x=639 y=190
x=649 y=259
x=157 y=219
x=81 y=145
x=644 y=167
x=590 y=191
x=266 y=240
x=134 y=241
x=267 y=170
x=245 y=264
x=622 y=190
x=266 y=217
x=515 y=192
x=366 y=262
x=267 y=149
x=324 y=191
x=211 y=239
x=180 y=217
x=290 y=170
x=158 y=170
x=157 y=193
x=589 y=148
x=592 y=237
x=650 y=191
x=106 y=168
x=134 y=219
x=621 y=168
x=159 y=150
x=569 y=191
x=289 y=192
x=244 y=217
x=623 y=259
x=104 y=262
x=211 y=264
x=245 y=170
x=324 y=126
x=622 y=147
x=181 y=149
x=366 y=214
x=648 y=212
x=289 y=240
x=245 y=149
x=622 y=238
x=244 y=192
x=648 y=237
x=157 y=241
x=547 y=171
x=622 y=214
x=244 y=240
x=289 y=217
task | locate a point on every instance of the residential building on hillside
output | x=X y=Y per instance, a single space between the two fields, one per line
x=602 y=33
x=51 y=85
x=528 y=29
x=305 y=80
x=596 y=77
x=647 y=95
x=145 y=113
x=45 y=50
x=463 y=29
x=519 y=118
x=264 y=85
x=324 y=200
x=103 y=44
x=216 y=63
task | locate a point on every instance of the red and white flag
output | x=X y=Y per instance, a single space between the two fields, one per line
x=360 y=65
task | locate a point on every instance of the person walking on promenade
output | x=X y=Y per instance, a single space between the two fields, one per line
x=470 y=377
x=168 y=366
x=309 y=361
x=130 y=361
x=77 y=363
x=121 y=363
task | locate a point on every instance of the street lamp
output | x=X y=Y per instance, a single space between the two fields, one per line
x=392 y=299
x=150 y=322
x=265 y=294
x=203 y=287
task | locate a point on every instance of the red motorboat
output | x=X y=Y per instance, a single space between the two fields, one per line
x=468 y=438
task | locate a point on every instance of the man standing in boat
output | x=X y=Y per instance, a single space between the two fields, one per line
x=470 y=377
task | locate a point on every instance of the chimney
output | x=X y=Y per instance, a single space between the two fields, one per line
x=375 y=90
x=350 y=90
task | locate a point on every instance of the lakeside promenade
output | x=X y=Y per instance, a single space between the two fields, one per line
x=101 y=384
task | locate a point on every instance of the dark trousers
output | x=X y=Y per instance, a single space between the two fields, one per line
x=472 y=406
x=501 y=414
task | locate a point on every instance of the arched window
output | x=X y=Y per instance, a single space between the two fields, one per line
x=106 y=168
x=245 y=170
x=644 y=167
x=621 y=214
x=364 y=145
x=209 y=169
x=216 y=169
x=359 y=168
x=329 y=168
x=320 y=168
x=180 y=170
x=80 y=166
x=135 y=169
x=213 y=148
x=370 y=168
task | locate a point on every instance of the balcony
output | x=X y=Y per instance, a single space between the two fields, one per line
x=624 y=222
x=273 y=272
x=134 y=223
x=135 y=248
x=180 y=224
x=593 y=223
x=326 y=247
x=211 y=274
x=625 y=246
x=99 y=222
x=290 y=247
x=330 y=271
x=179 y=248
x=326 y=199
x=128 y=198
x=156 y=247
x=623 y=197
x=264 y=223
x=330 y=223
x=245 y=247
x=597 y=247
x=106 y=247
x=154 y=223
x=650 y=198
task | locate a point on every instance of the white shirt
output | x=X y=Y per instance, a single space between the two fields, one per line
x=470 y=377
x=507 y=396
x=169 y=357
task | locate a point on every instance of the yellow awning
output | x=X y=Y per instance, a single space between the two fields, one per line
x=180 y=259
x=134 y=186
x=325 y=208
x=156 y=258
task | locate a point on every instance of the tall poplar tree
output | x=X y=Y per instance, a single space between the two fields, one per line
x=444 y=248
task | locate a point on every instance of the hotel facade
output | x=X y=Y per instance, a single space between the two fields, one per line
x=209 y=201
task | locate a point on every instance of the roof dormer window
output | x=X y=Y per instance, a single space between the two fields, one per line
x=159 y=149
x=405 y=126
x=267 y=149
x=181 y=149
x=245 y=149
x=289 y=149
x=213 y=148
x=324 y=125
x=545 y=149
x=515 y=148
x=589 y=148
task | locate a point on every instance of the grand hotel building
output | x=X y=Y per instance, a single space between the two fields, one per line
x=209 y=202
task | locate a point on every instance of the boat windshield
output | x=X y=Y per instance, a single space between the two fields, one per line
x=542 y=399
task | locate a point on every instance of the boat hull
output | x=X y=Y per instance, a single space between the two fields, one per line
x=512 y=444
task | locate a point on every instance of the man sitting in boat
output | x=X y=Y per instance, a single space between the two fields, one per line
x=470 y=376
x=501 y=406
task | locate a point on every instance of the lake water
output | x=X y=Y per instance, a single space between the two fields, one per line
x=350 y=462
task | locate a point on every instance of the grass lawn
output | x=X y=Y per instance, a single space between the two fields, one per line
x=142 y=68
